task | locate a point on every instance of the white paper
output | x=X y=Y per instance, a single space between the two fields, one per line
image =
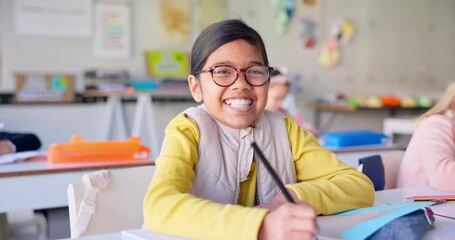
x=64 y=18
x=143 y=234
x=112 y=30
x=19 y=156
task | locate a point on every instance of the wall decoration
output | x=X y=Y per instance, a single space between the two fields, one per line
x=167 y=63
x=286 y=8
x=210 y=11
x=175 y=21
x=308 y=35
x=342 y=30
x=330 y=54
x=341 y=33
x=112 y=31
x=69 y=18
x=309 y=2
x=44 y=87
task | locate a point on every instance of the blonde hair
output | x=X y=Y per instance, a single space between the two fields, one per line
x=445 y=103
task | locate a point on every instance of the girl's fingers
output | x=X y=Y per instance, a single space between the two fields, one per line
x=300 y=210
x=299 y=217
x=308 y=225
x=300 y=236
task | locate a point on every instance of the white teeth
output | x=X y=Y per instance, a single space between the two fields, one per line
x=238 y=103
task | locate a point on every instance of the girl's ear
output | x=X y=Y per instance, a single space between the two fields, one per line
x=195 y=88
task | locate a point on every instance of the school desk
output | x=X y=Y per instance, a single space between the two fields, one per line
x=38 y=184
x=444 y=227
x=399 y=195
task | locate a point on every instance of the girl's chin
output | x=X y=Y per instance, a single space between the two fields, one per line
x=237 y=123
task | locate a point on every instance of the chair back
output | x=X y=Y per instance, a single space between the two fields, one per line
x=117 y=207
x=382 y=169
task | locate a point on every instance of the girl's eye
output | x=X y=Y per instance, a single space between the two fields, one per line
x=222 y=71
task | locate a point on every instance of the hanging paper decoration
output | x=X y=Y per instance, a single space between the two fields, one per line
x=341 y=33
x=330 y=54
x=342 y=30
x=287 y=8
x=309 y=2
x=309 y=33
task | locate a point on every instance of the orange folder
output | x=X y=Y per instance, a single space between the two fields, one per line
x=79 y=150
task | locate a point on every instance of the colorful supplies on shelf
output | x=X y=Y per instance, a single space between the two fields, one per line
x=79 y=150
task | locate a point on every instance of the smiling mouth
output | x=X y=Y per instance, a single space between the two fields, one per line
x=239 y=103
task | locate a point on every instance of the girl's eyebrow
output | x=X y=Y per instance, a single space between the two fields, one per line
x=258 y=63
x=222 y=63
x=230 y=63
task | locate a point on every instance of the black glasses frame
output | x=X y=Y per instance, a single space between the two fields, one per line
x=237 y=70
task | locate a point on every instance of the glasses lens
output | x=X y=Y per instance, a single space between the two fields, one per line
x=257 y=75
x=224 y=75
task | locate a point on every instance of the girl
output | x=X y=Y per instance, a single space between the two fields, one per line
x=430 y=156
x=208 y=182
x=278 y=91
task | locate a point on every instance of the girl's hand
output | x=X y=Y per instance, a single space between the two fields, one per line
x=290 y=221
x=5 y=147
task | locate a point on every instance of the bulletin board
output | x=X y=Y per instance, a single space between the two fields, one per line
x=44 y=87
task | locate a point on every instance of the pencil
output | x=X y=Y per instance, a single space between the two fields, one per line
x=272 y=172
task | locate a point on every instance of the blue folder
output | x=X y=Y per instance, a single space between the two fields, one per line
x=352 y=138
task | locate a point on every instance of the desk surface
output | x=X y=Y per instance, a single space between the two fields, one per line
x=366 y=148
x=331 y=226
x=42 y=166
x=399 y=195
x=40 y=184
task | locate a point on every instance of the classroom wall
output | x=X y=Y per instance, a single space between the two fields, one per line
x=401 y=46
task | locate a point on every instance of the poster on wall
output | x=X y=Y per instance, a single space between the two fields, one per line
x=175 y=21
x=112 y=30
x=166 y=63
x=57 y=18
x=210 y=11
x=44 y=87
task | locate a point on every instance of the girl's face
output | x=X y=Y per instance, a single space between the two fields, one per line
x=240 y=104
x=277 y=93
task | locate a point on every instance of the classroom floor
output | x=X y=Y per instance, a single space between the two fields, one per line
x=46 y=224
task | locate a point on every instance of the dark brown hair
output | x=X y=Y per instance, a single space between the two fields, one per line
x=220 y=33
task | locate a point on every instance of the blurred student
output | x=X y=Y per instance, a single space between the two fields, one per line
x=277 y=96
x=11 y=142
x=429 y=159
x=208 y=182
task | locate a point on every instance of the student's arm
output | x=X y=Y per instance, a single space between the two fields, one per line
x=325 y=182
x=436 y=149
x=170 y=209
x=22 y=141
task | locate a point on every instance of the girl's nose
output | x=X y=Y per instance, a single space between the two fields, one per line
x=241 y=83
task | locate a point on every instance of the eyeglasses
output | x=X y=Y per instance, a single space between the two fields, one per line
x=225 y=75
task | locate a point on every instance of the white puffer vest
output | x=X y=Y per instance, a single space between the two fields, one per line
x=226 y=155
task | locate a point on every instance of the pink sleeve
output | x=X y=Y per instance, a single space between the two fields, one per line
x=436 y=150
